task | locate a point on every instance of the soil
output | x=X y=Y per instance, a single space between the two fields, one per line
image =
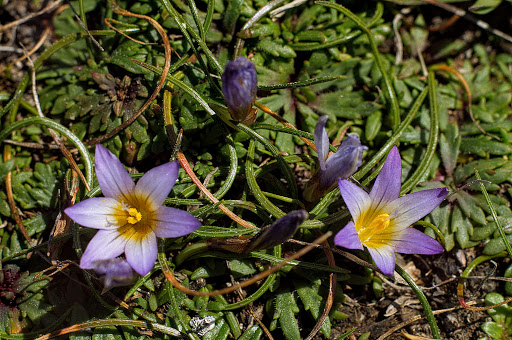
x=398 y=304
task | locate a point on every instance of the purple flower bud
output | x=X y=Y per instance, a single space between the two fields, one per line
x=239 y=83
x=114 y=272
x=279 y=232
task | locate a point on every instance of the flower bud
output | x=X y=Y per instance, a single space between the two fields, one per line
x=114 y=272
x=279 y=232
x=239 y=83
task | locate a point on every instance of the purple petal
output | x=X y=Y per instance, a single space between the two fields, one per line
x=321 y=141
x=384 y=258
x=348 y=237
x=106 y=244
x=279 y=232
x=356 y=199
x=387 y=185
x=114 y=272
x=343 y=163
x=114 y=180
x=410 y=208
x=239 y=86
x=95 y=212
x=141 y=254
x=413 y=241
x=157 y=183
x=171 y=222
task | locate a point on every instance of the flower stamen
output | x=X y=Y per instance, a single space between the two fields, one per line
x=377 y=225
x=135 y=216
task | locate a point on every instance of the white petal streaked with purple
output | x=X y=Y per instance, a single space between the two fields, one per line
x=141 y=254
x=95 y=212
x=113 y=178
x=157 y=183
x=106 y=244
x=175 y=223
x=410 y=208
x=384 y=258
x=356 y=199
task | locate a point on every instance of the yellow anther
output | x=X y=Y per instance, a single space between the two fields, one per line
x=368 y=232
x=379 y=223
x=135 y=216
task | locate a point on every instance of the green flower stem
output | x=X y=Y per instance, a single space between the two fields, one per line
x=388 y=86
x=193 y=249
x=233 y=164
x=394 y=138
x=494 y=215
x=298 y=84
x=259 y=292
x=290 y=179
x=180 y=319
x=311 y=46
x=253 y=297
x=432 y=139
x=324 y=202
x=284 y=199
x=423 y=300
x=59 y=128
x=209 y=15
x=140 y=282
x=120 y=322
x=195 y=15
x=188 y=31
x=83 y=17
x=254 y=187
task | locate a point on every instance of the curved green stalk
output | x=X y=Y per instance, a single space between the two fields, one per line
x=188 y=31
x=59 y=128
x=432 y=139
x=311 y=46
x=290 y=179
x=394 y=138
x=388 y=86
x=423 y=300
x=298 y=84
x=254 y=187
x=495 y=216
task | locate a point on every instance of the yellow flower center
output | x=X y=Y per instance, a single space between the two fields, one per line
x=135 y=218
x=374 y=231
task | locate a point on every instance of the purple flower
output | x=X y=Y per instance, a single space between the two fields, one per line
x=239 y=83
x=279 y=232
x=381 y=219
x=130 y=217
x=342 y=164
x=114 y=272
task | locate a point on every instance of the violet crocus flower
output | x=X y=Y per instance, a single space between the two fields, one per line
x=341 y=164
x=239 y=83
x=130 y=217
x=381 y=219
